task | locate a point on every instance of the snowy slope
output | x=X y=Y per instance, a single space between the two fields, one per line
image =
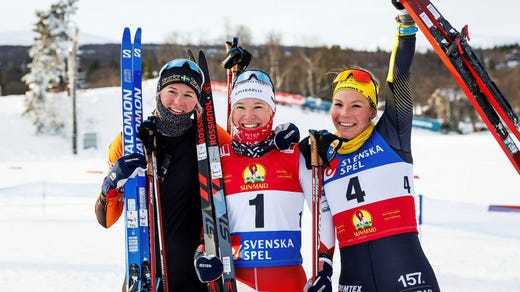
x=53 y=242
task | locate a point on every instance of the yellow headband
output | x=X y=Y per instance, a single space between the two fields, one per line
x=357 y=80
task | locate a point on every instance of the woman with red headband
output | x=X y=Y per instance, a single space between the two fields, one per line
x=368 y=179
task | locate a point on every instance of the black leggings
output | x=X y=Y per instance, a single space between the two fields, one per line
x=394 y=263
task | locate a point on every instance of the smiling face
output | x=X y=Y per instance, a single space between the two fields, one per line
x=351 y=113
x=251 y=113
x=178 y=98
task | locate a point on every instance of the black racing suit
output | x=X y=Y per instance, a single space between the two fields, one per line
x=396 y=262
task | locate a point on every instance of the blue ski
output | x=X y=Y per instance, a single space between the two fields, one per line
x=144 y=238
x=136 y=205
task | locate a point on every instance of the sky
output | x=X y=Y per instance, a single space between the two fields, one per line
x=362 y=24
x=54 y=243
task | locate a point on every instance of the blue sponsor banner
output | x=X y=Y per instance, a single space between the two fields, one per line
x=374 y=152
x=269 y=248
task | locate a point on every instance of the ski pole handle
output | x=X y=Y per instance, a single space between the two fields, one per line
x=147 y=133
x=231 y=75
x=316 y=159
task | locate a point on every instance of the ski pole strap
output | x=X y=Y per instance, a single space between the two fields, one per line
x=316 y=159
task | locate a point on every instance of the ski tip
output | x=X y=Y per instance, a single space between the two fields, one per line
x=137 y=36
x=126 y=34
x=191 y=56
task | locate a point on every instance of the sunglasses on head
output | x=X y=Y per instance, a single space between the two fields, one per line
x=257 y=74
x=179 y=63
x=358 y=74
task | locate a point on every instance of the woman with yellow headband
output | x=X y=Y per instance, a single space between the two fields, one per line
x=368 y=180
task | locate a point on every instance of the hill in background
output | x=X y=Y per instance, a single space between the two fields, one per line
x=299 y=70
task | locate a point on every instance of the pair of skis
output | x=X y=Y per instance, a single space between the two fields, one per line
x=453 y=49
x=217 y=236
x=142 y=204
x=141 y=193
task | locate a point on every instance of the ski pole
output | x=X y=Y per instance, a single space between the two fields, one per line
x=155 y=211
x=317 y=182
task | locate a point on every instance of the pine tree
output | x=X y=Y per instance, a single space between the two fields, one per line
x=48 y=69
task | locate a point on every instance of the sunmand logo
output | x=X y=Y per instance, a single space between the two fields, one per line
x=254 y=173
x=362 y=219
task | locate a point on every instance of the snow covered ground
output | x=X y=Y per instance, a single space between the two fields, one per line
x=52 y=241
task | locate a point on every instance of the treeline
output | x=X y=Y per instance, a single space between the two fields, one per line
x=300 y=70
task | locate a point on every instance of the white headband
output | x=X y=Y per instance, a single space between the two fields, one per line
x=253 y=89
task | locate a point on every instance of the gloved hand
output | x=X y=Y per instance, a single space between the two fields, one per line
x=147 y=131
x=236 y=56
x=126 y=167
x=323 y=282
x=285 y=135
x=324 y=139
x=208 y=268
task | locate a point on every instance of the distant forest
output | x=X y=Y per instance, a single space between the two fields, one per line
x=307 y=71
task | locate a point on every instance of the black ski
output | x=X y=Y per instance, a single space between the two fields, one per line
x=217 y=238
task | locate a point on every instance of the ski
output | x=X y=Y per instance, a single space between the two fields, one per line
x=142 y=199
x=136 y=218
x=454 y=50
x=217 y=237
x=140 y=259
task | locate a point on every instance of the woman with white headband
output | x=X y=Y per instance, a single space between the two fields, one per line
x=263 y=193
